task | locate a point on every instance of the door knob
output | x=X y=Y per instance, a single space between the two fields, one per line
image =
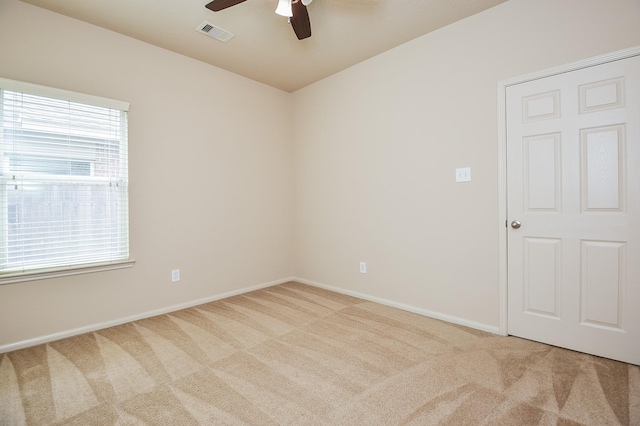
x=516 y=224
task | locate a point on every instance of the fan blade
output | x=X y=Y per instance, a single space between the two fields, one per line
x=300 y=20
x=218 y=5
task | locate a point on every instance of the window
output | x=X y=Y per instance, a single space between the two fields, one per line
x=63 y=180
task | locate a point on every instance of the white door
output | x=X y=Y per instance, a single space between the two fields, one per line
x=573 y=184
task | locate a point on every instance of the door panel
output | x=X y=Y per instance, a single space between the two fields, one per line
x=602 y=165
x=601 y=283
x=573 y=154
x=541 y=158
x=542 y=276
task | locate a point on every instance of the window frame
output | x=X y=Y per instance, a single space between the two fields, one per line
x=75 y=268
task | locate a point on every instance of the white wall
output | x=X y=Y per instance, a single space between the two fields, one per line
x=210 y=174
x=377 y=146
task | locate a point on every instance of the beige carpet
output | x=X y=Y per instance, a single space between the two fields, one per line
x=298 y=355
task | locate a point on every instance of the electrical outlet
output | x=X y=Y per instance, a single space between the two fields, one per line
x=363 y=267
x=175 y=275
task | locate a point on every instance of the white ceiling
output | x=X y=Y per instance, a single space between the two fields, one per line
x=265 y=48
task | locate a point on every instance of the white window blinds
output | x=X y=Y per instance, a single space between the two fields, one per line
x=63 y=179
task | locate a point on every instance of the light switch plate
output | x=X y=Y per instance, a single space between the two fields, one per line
x=463 y=174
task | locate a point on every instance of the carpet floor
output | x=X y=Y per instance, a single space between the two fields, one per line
x=298 y=355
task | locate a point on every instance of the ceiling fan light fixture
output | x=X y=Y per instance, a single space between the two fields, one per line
x=306 y=2
x=284 y=8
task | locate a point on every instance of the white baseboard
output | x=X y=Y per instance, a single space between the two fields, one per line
x=99 y=326
x=424 y=312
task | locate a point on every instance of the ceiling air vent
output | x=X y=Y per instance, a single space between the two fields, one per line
x=214 y=31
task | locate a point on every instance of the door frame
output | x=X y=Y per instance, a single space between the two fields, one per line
x=502 y=159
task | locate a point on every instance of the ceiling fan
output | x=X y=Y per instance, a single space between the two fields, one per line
x=295 y=10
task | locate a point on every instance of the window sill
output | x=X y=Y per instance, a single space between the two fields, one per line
x=17 y=277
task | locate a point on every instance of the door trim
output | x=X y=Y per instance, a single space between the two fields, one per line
x=502 y=159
